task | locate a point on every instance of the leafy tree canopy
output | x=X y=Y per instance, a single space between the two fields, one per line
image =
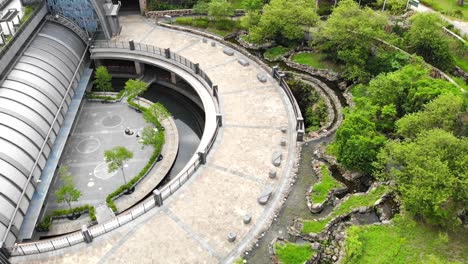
x=252 y=4
x=103 y=79
x=135 y=88
x=219 y=9
x=67 y=193
x=441 y=113
x=116 y=157
x=357 y=142
x=284 y=20
x=430 y=174
x=427 y=39
x=348 y=35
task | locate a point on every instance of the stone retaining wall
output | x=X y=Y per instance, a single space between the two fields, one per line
x=181 y=12
x=253 y=46
x=324 y=73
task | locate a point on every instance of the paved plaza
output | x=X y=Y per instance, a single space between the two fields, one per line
x=192 y=226
x=100 y=127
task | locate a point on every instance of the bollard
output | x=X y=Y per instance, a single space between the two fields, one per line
x=158 y=198
x=88 y=238
x=167 y=52
x=202 y=156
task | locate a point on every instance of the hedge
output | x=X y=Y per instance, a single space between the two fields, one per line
x=119 y=96
x=45 y=224
x=157 y=150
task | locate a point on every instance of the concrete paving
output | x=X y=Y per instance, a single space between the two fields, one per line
x=193 y=224
x=100 y=127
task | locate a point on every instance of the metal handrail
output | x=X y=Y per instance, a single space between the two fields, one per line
x=6 y=47
x=145 y=205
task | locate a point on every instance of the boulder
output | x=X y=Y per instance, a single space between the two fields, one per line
x=232 y=236
x=228 y=51
x=265 y=196
x=243 y=62
x=276 y=158
x=272 y=174
x=316 y=208
x=262 y=77
x=247 y=219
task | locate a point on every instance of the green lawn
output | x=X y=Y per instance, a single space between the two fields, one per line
x=354 y=202
x=321 y=189
x=404 y=241
x=448 y=7
x=292 y=253
x=274 y=52
x=316 y=60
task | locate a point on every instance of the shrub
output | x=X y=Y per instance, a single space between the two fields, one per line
x=149 y=116
x=224 y=24
x=186 y=21
x=200 y=22
x=47 y=221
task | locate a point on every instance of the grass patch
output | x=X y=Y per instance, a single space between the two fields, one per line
x=291 y=253
x=275 y=52
x=354 y=202
x=448 y=8
x=315 y=60
x=404 y=241
x=320 y=190
x=221 y=27
x=462 y=62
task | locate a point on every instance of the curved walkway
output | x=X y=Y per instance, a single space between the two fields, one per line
x=193 y=224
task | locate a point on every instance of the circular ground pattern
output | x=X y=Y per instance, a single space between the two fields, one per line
x=111 y=120
x=101 y=171
x=88 y=145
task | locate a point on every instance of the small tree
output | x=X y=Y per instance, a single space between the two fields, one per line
x=201 y=7
x=134 y=88
x=156 y=113
x=67 y=193
x=103 y=79
x=149 y=136
x=115 y=159
x=219 y=9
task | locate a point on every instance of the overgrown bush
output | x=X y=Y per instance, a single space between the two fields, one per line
x=45 y=224
x=185 y=21
x=200 y=22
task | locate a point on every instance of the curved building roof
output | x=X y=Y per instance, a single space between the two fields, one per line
x=30 y=98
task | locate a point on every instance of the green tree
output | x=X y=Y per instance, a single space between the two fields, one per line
x=251 y=19
x=134 y=88
x=441 y=113
x=348 y=36
x=357 y=142
x=156 y=113
x=149 y=136
x=201 y=7
x=284 y=21
x=393 y=6
x=103 y=79
x=430 y=175
x=252 y=4
x=220 y=9
x=67 y=193
x=115 y=159
x=427 y=39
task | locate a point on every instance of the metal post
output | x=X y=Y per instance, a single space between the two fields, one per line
x=88 y=238
x=275 y=70
x=197 y=68
x=215 y=90
x=131 y=43
x=158 y=198
x=167 y=52
x=280 y=77
x=219 y=119
x=384 y=3
x=202 y=156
